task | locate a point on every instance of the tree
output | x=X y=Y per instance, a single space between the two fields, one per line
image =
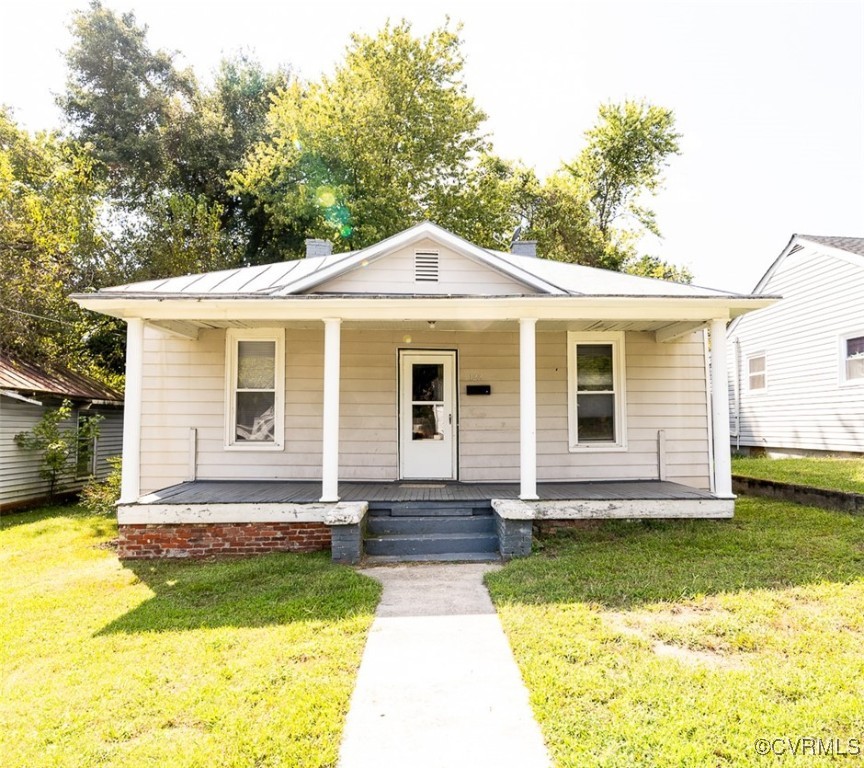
x=654 y=266
x=206 y=141
x=51 y=244
x=119 y=97
x=563 y=226
x=175 y=234
x=498 y=198
x=594 y=207
x=387 y=141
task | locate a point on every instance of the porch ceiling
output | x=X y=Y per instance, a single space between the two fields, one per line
x=664 y=328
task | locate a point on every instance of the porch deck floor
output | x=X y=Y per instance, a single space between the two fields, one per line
x=292 y=491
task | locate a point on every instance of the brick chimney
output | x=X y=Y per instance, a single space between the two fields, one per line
x=524 y=248
x=315 y=248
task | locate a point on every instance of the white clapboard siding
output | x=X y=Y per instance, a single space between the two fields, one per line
x=184 y=389
x=395 y=273
x=20 y=481
x=806 y=405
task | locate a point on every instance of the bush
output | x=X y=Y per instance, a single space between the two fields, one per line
x=100 y=496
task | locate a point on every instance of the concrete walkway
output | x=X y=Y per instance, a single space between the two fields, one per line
x=438 y=686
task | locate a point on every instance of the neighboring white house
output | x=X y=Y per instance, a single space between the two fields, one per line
x=421 y=359
x=797 y=368
x=27 y=391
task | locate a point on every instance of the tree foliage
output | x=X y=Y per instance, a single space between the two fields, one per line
x=120 y=97
x=387 y=141
x=594 y=210
x=161 y=176
x=657 y=268
x=50 y=244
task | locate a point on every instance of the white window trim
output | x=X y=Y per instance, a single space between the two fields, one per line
x=616 y=339
x=756 y=390
x=844 y=382
x=232 y=338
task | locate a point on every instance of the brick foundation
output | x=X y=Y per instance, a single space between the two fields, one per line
x=209 y=539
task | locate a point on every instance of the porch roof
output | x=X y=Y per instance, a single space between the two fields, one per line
x=297 y=290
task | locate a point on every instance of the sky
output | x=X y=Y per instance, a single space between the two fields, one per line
x=768 y=94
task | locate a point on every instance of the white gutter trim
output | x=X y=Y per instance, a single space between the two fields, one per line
x=16 y=396
x=665 y=308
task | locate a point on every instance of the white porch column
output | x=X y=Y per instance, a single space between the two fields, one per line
x=130 y=484
x=720 y=410
x=527 y=408
x=330 y=446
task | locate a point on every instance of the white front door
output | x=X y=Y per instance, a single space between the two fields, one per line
x=427 y=418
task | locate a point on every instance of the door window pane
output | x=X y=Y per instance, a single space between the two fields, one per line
x=594 y=368
x=256 y=365
x=256 y=421
x=426 y=422
x=426 y=382
x=596 y=417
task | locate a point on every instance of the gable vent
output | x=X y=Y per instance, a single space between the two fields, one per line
x=426 y=266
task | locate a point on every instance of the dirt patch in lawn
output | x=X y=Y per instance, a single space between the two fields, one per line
x=644 y=626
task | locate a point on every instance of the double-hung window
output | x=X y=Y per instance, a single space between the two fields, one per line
x=255 y=389
x=596 y=394
x=757 y=372
x=852 y=357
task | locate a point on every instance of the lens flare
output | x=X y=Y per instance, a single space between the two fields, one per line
x=326 y=197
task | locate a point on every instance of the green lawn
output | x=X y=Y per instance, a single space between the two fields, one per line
x=682 y=643
x=247 y=662
x=832 y=474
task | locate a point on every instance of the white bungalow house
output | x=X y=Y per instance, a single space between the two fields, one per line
x=372 y=398
x=796 y=374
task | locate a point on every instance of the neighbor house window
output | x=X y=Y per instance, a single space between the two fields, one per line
x=853 y=358
x=596 y=391
x=85 y=457
x=756 y=372
x=255 y=389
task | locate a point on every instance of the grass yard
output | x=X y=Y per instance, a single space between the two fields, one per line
x=830 y=474
x=681 y=643
x=247 y=662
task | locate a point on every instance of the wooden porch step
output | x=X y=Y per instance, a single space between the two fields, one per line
x=429 y=508
x=386 y=525
x=456 y=557
x=403 y=545
x=446 y=531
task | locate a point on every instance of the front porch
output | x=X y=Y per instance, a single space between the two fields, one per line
x=307 y=492
x=394 y=521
